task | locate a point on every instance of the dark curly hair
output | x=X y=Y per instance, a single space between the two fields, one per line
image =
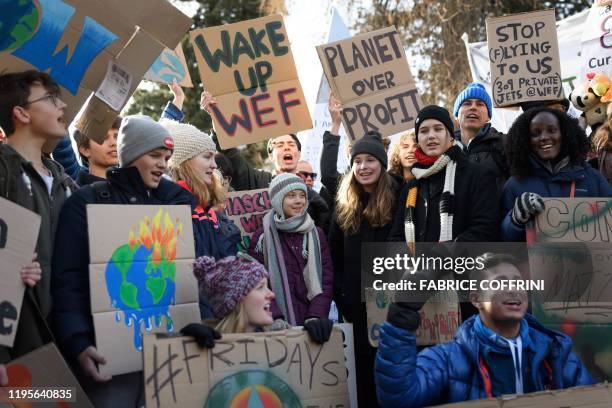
x=574 y=142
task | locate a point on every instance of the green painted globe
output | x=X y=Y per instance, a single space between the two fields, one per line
x=19 y=21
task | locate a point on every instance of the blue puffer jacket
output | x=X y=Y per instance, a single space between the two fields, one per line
x=449 y=372
x=589 y=183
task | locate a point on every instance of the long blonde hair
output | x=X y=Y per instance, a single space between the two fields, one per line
x=213 y=195
x=349 y=208
x=235 y=322
x=395 y=162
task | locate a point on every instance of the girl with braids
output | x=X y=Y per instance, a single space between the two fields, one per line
x=192 y=167
x=450 y=198
x=547 y=150
x=402 y=157
x=296 y=254
x=364 y=212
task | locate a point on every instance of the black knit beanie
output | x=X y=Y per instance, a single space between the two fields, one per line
x=434 y=112
x=370 y=143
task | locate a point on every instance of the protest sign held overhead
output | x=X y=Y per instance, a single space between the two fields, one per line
x=247 y=209
x=370 y=75
x=249 y=68
x=75 y=41
x=596 y=50
x=524 y=58
x=18 y=234
x=170 y=64
x=141 y=278
x=254 y=369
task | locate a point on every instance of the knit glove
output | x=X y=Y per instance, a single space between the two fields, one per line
x=526 y=206
x=319 y=330
x=405 y=315
x=204 y=335
x=279 y=324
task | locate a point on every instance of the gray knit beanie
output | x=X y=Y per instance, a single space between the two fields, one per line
x=189 y=141
x=139 y=135
x=282 y=185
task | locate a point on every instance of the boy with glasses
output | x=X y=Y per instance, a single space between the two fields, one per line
x=32 y=115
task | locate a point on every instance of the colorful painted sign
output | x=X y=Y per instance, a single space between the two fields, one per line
x=573 y=254
x=247 y=209
x=440 y=316
x=170 y=65
x=141 y=278
x=75 y=40
x=273 y=369
x=249 y=68
x=370 y=75
x=19 y=229
x=524 y=57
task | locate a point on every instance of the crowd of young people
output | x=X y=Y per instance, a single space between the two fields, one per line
x=437 y=184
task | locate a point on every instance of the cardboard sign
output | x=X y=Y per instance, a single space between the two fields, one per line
x=255 y=369
x=75 y=40
x=45 y=368
x=595 y=396
x=348 y=344
x=524 y=57
x=370 y=75
x=171 y=64
x=19 y=229
x=249 y=68
x=596 y=49
x=247 y=209
x=573 y=254
x=440 y=317
x=140 y=276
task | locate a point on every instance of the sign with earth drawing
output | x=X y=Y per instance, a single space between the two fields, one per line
x=170 y=65
x=141 y=277
x=18 y=234
x=272 y=369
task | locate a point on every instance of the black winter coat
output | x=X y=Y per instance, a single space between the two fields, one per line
x=72 y=320
x=476 y=208
x=487 y=149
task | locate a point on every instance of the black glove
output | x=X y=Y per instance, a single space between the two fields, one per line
x=405 y=315
x=526 y=206
x=319 y=330
x=204 y=335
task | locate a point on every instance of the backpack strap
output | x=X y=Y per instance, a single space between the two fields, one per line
x=101 y=192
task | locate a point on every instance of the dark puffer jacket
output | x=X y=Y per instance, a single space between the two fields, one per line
x=487 y=149
x=73 y=325
x=588 y=181
x=450 y=372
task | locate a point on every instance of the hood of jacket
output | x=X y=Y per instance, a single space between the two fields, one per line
x=543 y=340
x=564 y=171
x=486 y=134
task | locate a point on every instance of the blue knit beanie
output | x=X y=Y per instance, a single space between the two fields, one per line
x=473 y=91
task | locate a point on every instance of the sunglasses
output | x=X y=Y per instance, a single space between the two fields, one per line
x=53 y=96
x=307 y=174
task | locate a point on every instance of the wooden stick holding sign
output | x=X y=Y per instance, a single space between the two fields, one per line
x=253 y=369
x=19 y=229
x=370 y=75
x=249 y=68
x=524 y=57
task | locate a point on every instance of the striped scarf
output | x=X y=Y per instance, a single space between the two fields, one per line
x=446 y=161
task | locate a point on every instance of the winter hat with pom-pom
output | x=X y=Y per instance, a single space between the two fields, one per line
x=228 y=281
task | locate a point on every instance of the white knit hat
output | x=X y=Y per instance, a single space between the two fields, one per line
x=189 y=141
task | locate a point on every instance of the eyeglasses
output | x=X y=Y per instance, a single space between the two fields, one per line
x=307 y=174
x=53 y=96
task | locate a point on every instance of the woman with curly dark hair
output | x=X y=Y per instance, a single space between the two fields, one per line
x=546 y=149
